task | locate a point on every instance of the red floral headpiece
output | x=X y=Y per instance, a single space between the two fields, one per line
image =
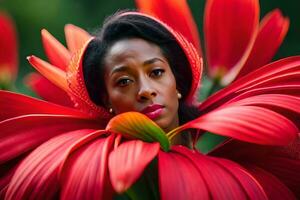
x=79 y=93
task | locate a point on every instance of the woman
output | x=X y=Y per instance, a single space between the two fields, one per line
x=136 y=64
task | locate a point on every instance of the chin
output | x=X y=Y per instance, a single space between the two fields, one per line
x=163 y=125
x=167 y=122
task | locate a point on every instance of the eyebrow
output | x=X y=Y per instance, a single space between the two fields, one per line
x=147 y=62
x=153 y=60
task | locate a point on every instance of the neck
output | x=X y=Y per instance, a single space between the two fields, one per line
x=184 y=139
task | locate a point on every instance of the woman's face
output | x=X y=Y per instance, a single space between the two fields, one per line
x=138 y=78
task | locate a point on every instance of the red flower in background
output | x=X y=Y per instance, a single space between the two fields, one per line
x=235 y=42
x=8 y=52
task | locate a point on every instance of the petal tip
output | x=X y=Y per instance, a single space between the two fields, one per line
x=29 y=57
x=44 y=32
x=120 y=187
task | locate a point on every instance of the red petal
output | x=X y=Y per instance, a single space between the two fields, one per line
x=179 y=178
x=7 y=171
x=272 y=31
x=247 y=123
x=248 y=182
x=201 y=177
x=133 y=156
x=272 y=186
x=282 y=162
x=23 y=105
x=286 y=169
x=286 y=105
x=285 y=72
x=47 y=90
x=176 y=14
x=27 y=132
x=57 y=54
x=85 y=174
x=37 y=175
x=236 y=181
x=55 y=75
x=8 y=47
x=230 y=29
x=75 y=37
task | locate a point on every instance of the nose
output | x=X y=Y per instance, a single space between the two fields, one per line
x=146 y=91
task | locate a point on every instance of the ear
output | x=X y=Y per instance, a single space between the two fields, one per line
x=179 y=95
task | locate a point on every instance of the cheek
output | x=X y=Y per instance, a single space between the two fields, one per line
x=171 y=92
x=173 y=98
x=172 y=88
x=121 y=101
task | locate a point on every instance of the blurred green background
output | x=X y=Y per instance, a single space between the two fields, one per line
x=33 y=15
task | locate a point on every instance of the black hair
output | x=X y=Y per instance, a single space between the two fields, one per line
x=118 y=27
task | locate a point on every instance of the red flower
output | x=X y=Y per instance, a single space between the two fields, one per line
x=67 y=148
x=235 y=42
x=51 y=151
x=81 y=161
x=257 y=107
x=59 y=57
x=8 y=51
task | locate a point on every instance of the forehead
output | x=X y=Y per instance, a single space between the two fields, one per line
x=133 y=48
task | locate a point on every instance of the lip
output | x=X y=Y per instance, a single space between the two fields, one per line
x=153 y=111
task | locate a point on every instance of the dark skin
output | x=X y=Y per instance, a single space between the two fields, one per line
x=137 y=75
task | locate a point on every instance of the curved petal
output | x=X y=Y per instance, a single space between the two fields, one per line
x=85 y=173
x=47 y=90
x=281 y=162
x=286 y=169
x=37 y=175
x=52 y=73
x=133 y=156
x=137 y=125
x=286 y=105
x=273 y=30
x=179 y=178
x=205 y=177
x=247 y=181
x=7 y=171
x=8 y=49
x=280 y=73
x=23 y=105
x=247 y=123
x=57 y=54
x=75 y=37
x=176 y=14
x=27 y=132
x=272 y=186
x=283 y=100
x=230 y=28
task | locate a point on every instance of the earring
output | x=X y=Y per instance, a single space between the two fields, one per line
x=179 y=95
x=111 y=110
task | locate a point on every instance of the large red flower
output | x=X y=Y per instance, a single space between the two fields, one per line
x=257 y=107
x=235 y=42
x=67 y=153
x=8 y=51
x=50 y=151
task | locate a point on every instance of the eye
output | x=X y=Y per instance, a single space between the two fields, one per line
x=123 y=82
x=157 y=72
